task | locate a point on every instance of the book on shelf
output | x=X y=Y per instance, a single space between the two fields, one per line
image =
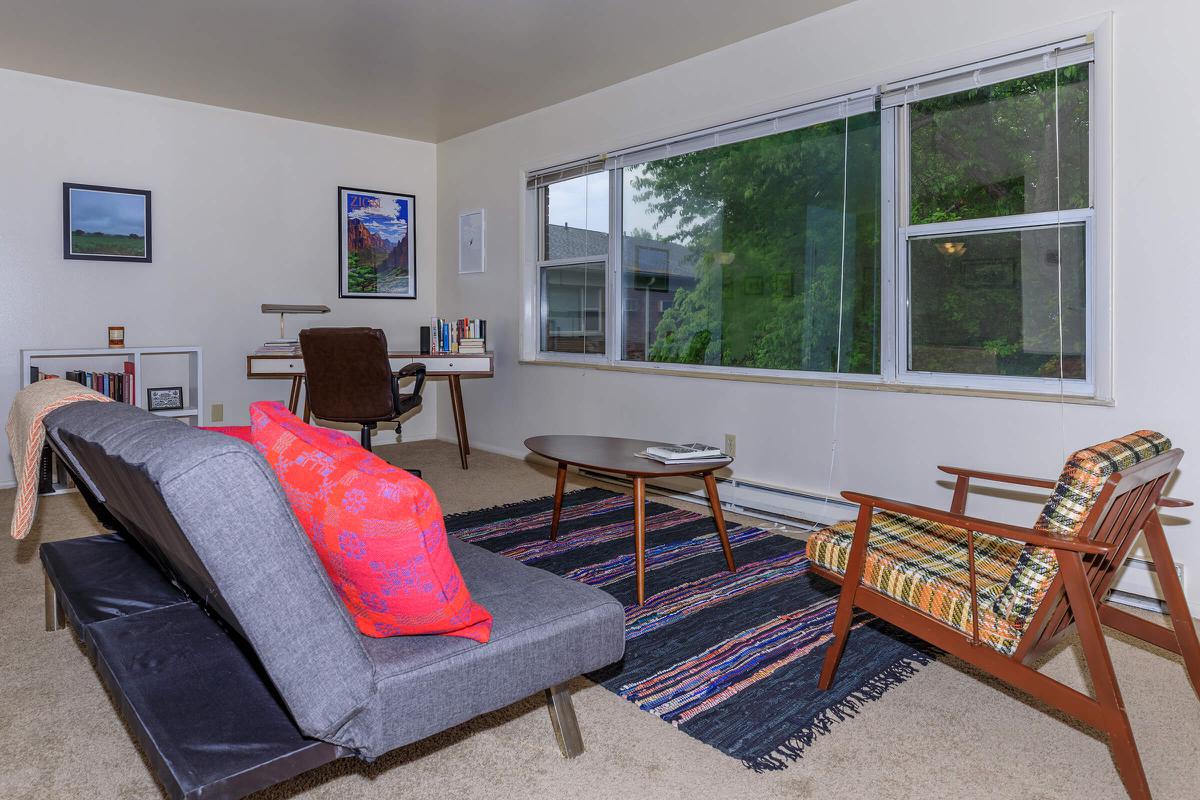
x=691 y=453
x=467 y=336
x=120 y=386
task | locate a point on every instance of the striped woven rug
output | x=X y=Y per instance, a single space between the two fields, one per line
x=732 y=659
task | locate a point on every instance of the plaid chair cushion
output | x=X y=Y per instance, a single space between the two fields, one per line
x=1073 y=497
x=924 y=564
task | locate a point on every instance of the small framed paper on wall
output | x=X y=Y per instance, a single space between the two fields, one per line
x=470 y=242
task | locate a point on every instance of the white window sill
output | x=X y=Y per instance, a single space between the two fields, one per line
x=861 y=382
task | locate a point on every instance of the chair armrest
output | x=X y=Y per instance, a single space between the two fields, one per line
x=999 y=477
x=1043 y=483
x=1174 y=502
x=409 y=370
x=978 y=525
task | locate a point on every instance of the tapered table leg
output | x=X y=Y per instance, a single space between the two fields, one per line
x=559 y=485
x=639 y=535
x=294 y=395
x=710 y=485
x=456 y=386
x=307 y=410
x=460 y=419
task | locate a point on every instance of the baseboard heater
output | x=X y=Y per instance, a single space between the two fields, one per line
x=1136 y=585
x=790 y=507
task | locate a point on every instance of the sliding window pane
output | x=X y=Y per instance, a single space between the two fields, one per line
x=987 y=303
x=736 y=256
x=573 y=308
x=576 y=214
x=991 y=151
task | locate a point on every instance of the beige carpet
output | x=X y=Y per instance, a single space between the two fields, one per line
x=944 y=734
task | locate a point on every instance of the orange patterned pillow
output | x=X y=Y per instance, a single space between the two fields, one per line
x=377 y=529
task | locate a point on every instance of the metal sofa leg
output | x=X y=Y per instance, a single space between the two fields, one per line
x=562 y=719
x=56 y=618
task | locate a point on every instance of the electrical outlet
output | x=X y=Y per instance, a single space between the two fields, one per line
x=218 y=412
x=730 y=445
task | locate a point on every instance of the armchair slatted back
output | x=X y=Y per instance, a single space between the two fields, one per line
x=1123 y=503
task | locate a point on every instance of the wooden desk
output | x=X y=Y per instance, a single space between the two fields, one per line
x=452 y=366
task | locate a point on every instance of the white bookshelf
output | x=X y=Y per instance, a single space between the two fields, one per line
x=152 y=367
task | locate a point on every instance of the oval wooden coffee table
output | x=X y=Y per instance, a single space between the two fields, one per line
x=609 y=454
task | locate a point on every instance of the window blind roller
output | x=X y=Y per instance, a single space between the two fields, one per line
x=764 y=125
x=984 y=73
x=544 y=177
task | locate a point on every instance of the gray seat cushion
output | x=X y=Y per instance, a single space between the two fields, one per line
x=207 y=507
x=546 y=630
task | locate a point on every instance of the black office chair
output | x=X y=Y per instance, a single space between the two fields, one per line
x=350 y=379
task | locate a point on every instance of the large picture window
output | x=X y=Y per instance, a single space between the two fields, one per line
x=762 y=254
x=939 y=231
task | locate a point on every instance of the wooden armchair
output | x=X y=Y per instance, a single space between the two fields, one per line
x=996 y=595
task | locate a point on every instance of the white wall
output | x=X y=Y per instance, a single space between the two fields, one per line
x=244 y=213
x=888 y=442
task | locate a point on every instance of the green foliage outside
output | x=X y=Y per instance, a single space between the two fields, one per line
x=772 y=221
x=108 y=244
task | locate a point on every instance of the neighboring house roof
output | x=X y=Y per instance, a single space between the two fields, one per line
x=649 y=256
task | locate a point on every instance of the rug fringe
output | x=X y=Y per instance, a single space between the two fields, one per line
x=849 y=707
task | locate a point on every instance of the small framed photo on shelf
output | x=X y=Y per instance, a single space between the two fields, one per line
x=470 y=242
x=104 y=223
x=377 y=254
x=169 y=398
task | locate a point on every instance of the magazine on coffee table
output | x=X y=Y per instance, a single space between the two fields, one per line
x=691 y=453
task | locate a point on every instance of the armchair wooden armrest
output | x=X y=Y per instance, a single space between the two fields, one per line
x=978 y=525
x=999 y=477
x=966 y=473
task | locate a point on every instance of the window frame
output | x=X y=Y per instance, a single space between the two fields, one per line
x=904 y=232
x=894 y=322
x=540 y=307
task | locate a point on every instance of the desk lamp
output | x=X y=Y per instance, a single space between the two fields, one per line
x=281 y=310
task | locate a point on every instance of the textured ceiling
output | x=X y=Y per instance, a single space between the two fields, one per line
x=422 y=70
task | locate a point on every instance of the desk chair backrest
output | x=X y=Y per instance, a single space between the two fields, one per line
x=348 y=374
x=1105 y=493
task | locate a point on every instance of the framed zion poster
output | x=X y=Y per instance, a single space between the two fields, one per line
x=376 y=250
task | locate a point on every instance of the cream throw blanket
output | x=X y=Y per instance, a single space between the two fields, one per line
x=26 y=435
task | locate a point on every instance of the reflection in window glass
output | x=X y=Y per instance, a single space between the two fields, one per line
x=990 y=152
x=733 y=256
x=987 y=303
x=576 y=213
x=573 y=308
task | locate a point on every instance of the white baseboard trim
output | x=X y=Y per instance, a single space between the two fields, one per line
x=487 y=448
x=405 y=439
x=752 y=498
x=8 y=484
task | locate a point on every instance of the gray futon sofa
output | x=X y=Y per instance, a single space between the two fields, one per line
x=217 y=632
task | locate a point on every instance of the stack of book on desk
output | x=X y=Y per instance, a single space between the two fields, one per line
x=467 y=336
x=693 y=453
x=279 y=346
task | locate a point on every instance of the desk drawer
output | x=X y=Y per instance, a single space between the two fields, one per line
x=462 y=365
x=276 y=366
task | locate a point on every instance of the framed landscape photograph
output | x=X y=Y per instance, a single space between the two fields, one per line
x=105 y=223
x=376 y=250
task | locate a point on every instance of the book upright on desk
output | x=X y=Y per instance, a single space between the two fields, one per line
x=467 y=336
